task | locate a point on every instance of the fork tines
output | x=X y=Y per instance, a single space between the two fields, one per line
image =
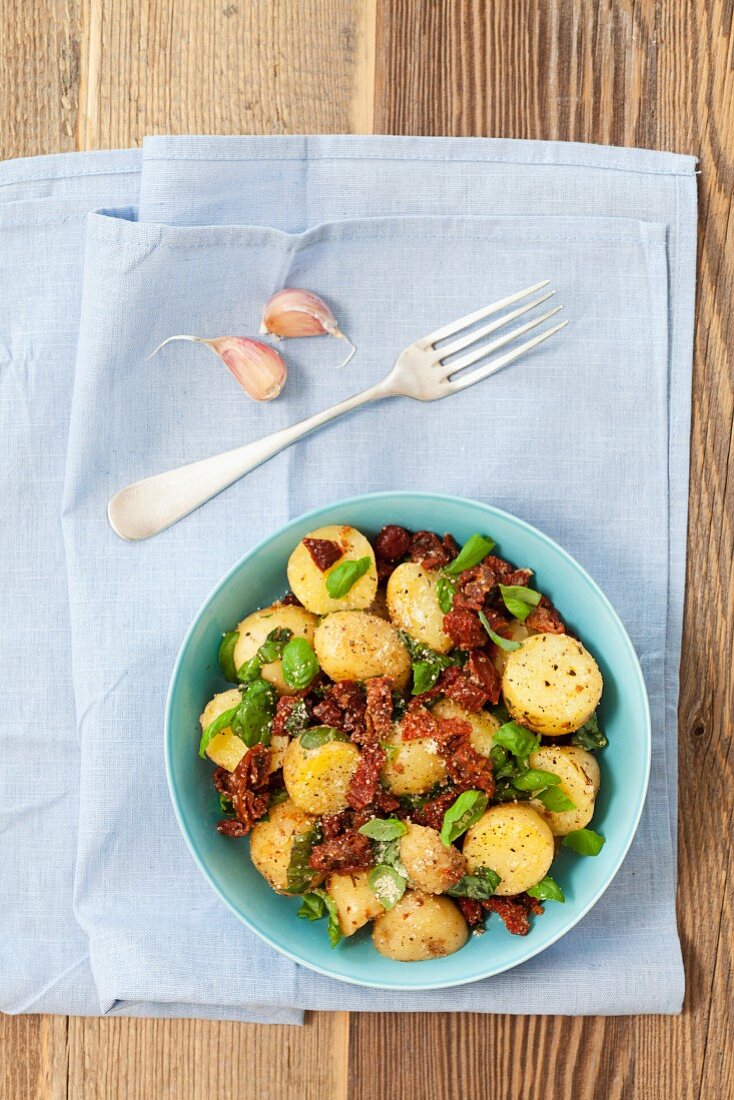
x=448 y=367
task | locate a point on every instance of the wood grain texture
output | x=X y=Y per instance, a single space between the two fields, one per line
x=657 y=73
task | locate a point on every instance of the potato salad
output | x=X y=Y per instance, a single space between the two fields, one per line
x=409 y=738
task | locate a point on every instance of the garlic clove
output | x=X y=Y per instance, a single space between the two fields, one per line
x=291 y=313
x=259 y=369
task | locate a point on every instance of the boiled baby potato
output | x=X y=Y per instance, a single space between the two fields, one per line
x=355 y=645
x=412 y=767
x=579 y=774
x=421 y=926
x=414 y=607
x=271 y=841
x=515 y=841
x=518 y=632
x=432 y=866
x=483 y=725
x=318 y=779
x=226 y=749
x=552 y=684
x=308 y=583
x=254 y=630
x=355 y=902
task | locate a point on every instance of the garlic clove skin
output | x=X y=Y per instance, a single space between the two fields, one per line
x=259 y=369
x=291 y=312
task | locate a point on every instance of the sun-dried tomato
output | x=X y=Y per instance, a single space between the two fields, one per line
x=289 y=600
x=392 y=543
x=514 y=911
x=283 y=711
x=365 y=782
x=345 y=853
x=468 y=769
x=472 y=911
x=481 y=671
x=231 y=827
x=432 y=812
x=473 y=587
x=545 y=619
x=431 y=551
x=378 y=715
x=418 y=722
x=455 y=684
x=324 y=552
x=343 y=706
x=464 y=629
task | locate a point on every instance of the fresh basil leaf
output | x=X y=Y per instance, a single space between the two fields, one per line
x=474 y=550
x=388 y=851
x=299 y=664
x=225 y=806
x=519 y=600
x=317 y=904
x=585 y=842
x=555 y=800
x=546 y=890
x=391 y=750
x=503 y=764
x=298 y=718
x=271 y=650
x=589 y=737
x=225 y=719
x=387 y=885
x=503 y=643
x=226 y=655
x=425 y=674
x=505 y=792
x=480 y=886
x=516 y=739
x=535 y=779
x=278 y=796
x=321 y=735
x=459 y=817
x=345 y=575
x=253 y=718
x=250 y=670
x=383 y=828
x=399 y=706
x=501 y=713
x=445 y=592
x=300 y=876
x=313 y=907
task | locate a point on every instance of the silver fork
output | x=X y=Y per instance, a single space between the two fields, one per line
x=423 y=371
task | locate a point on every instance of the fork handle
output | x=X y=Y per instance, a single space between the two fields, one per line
x=149 y=506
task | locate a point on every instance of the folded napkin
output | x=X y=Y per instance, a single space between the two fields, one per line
x=587 y=439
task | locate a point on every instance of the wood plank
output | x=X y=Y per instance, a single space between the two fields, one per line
x=33 y=1057
x=39 y=72
x=656 y=74
x=122 y=1059
x=211 y=66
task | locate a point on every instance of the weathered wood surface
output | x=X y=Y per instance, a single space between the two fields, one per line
x=85 y=74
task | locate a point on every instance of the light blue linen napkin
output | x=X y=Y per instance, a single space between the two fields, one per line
x=588 y=440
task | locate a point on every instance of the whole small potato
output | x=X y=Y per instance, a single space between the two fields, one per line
x=414 y=607
x=309 y=583
x=317 y=779
x=552 y=684
x=483 y=724
x=355 y=902
x=355 y=645
x=412 y=767
x=254 y=630
x=226 y=749
x=431 y=865
x=421 y=926
x=515 y=841
x=271 y=841
x=579 y=773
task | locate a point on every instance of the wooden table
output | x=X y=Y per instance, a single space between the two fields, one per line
x=90 y=74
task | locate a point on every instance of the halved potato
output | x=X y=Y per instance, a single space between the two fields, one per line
x=413 y=605
x=432 y=866
x=518 y=632
x=226 y=749
x=421 y=926
x=412 y=767
x=254 y=630
x=318 y=779
x=579 y=773
x=271 y=841
x=515 y=841
x=552 y=685
x=355 y=902
x=483 y=725
x=356 y=645
x=309 y=584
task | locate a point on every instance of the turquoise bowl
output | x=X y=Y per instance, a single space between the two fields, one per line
x=257 y=580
